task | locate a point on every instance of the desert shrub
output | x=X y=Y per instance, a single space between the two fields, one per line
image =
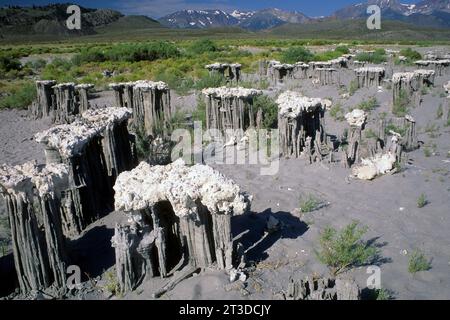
x=400 y=106
x=327 y=55
x=439 y=112
x=8 y=63
x=427 y=152
x=383 y=294
x=342 y=49
x=128 y=52
x=337 y=112
x=20 y=96
x=418 y=262
x=309 y=203
x=199 y=113
x=392 y=127
x=296 y=54
x=379 y=56
x=269 y=109
x=210 y=81
x=203 y=46
x=368 y=105
x=112 y=285
x=142 y=143
x=340 y=250
x=353 y=87
x=422 y=201
x=410 y=54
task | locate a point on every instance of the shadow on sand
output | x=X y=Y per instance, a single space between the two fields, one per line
x=257 y=224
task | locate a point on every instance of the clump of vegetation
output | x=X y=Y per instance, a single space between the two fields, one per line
x=112 y=285
x=422 y=201
x=427 y=152
x=296 y=54
x=210 y=81
x=410 y=54
x=368 y=105
x=337 y=112
x=440 y=112
x=418 y=262
x=370 y=134
x=269 y=109
x=330 y=55
x=343 y=249
x=199 y=114
x=203 y=46
x=353 y=87
x=392 y=127
x=400 y=107
x=309 y=203
x=19 y=95
x=128 y=52
x=142 y=143
x=377 y=57
x=383 y=294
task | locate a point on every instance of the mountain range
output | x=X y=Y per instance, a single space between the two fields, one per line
x=427 y=13
x=50 y=20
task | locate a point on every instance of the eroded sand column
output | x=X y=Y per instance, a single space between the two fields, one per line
x=172 y=232
x=33 y=197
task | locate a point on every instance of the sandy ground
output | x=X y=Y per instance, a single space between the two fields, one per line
x=387 y=206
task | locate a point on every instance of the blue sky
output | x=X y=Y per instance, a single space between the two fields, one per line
x=158 y=8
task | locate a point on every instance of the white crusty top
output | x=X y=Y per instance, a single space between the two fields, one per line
x=356 y=118
x=428 y=62
x=403 y=77
x=20 y=180
x=218 y=65
x=70 y=139
x=291 y=104
x=225 y=92
x=142 y=84
x=84 y=86
x=182 y=186
x=370 y=69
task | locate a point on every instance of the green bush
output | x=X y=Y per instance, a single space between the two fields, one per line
x=342 y=49
x=203 y=46
x=337 y=112
x=269 y=109
x=309 y=203
x=410 y=54
x=343 y=249
x=20 y=96
x=422 y=201
x=418 y=262
x=210 y=81
x=400 y=106
x=368 y=105
x=7 y=63
x=377 y=57
x=128 y=52
x=353 y=87
x=296 y=54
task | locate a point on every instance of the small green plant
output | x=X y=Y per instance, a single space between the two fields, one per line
x=440 y=112
x=368 y=105
x=370 y=134
x=112 y=285
x=410 y=54
x=422 y=201
x=309 y=203
x=400 y=106
x=353 y=87
x=418 y=262
x=377 y=57
x=20 y=96
x=343 y=249
x=427 y=152
x=382 y=294
x=142 y=143
x=337 y=112
x=202 y=46
x=269 y=110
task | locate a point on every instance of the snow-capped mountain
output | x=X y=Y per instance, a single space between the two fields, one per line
x=252 y=20
x=431 y=13
x=199 y=19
